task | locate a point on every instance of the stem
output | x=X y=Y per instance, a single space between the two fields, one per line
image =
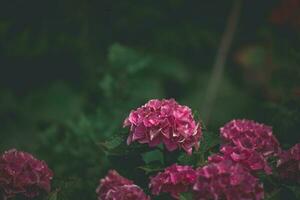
x=218 y=67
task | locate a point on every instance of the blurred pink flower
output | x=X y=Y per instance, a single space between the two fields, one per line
x=164 y=121
x=288 y=164
x=116 y=187
x=248 y=134
x=250 y=159
x=174 y=180
x=226 y=180
x=287 y=12
x=22 y=174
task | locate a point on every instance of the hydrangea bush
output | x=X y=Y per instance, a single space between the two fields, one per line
x=161 y=132
x=23 y=175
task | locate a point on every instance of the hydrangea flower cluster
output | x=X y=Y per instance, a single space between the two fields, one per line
x=248 y=134
x=174 y=180
x=164 y=121
x=226 y=180
x=248 y=158
x=116 y=187
x=229 y=174
x=288 y=164
x=22 y=174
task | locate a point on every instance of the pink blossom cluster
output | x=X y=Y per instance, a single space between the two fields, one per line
x=116 y=187
x=174 y=180
x=164 y=121
x=248 y=158
x=288 y=164
x=230 y=174
x=226 y=180
x=22 y=174
x=248 y=134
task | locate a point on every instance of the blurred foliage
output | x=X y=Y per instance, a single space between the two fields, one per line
x=72 y=70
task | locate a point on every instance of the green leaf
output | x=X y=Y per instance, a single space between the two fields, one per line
x=106 y=85
x=128 y=59
x=186 y=196
x=209 y=141
x=171 y=68
x=273 y=196
x=116 y=145
x=195 y=159
x=52 y=195
x=151 y=156
x=154 y=167
x=113 y=142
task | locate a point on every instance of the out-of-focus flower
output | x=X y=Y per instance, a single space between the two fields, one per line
x=258 y=67
x=174 y=180
x=226 y=180
x=116 y=187
x=248 y=134
x=288 y=164
x=22 y=174
x=287 y=13
x=164 y=121
x=250 y=159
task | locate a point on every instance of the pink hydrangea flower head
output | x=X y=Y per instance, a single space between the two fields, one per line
x=226 y=180
x=22 y=174
x=248 y=134
x=248 y=158
x=174 y=180
x=288 y=164
x=164 y=121
x=116 y=187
